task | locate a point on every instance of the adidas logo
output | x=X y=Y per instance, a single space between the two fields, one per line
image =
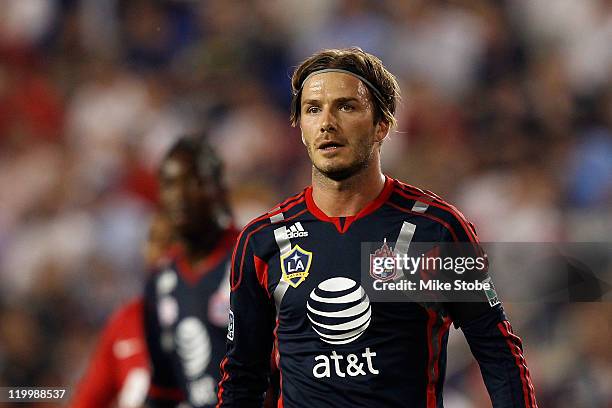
x=296 y=231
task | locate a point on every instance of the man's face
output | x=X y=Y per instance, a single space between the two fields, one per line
x=337 y=122
x=183 y=195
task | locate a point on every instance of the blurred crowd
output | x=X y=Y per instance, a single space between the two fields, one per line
x=506 y=112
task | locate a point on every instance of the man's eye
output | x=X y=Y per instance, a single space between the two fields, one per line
x=346 y=108
x=312 y=109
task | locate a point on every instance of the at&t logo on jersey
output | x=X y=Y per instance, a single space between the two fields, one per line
x=352 y=365
x=193 y=347
x=339 y=311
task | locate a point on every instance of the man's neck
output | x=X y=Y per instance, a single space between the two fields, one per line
x=199 y=246
x=346 y=197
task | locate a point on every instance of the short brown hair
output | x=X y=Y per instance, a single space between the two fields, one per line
x=385 y=94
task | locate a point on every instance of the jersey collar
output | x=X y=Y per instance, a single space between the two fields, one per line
x=368 y=209
x=192 y=273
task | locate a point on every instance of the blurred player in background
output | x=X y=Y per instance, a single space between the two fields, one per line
x=296 y=273
x=187 y=298
x=119 y=374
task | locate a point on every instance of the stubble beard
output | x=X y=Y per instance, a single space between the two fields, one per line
x=361 y=162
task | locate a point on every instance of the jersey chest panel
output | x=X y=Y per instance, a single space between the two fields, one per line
x=192 y=318
x=327 y=327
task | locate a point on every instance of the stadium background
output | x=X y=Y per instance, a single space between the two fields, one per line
x=507 y=112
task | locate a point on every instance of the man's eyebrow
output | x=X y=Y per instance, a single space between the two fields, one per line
x=311 y=102
x=346 y=99
x=338 y=100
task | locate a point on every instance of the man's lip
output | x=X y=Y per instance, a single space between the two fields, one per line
x=329 y=144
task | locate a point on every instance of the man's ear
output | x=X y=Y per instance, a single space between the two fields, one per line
x=382 y=130
x=303 y=140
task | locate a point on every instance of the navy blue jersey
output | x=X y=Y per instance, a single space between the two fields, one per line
x=185 y=324
x=296 y=282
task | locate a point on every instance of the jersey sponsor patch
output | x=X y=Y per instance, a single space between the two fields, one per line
x=295 y=265
x=352 y=365
x=339 y=310
x=378 y=270
x=230 y=326
x=193 y=346
x=491 y=293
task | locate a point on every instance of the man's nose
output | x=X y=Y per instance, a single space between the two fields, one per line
x=328 y=121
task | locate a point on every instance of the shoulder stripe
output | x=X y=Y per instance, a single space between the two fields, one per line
x=286 y=205
x=277 y=218
x=431 y=217
x=283 y=205
x=443 y=206
x=419 y=191
x=420 y=207
x=236 y=284
x=278 y=215
x=408 y=187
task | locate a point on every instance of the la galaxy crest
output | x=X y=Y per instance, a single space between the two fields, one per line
x=295 y=265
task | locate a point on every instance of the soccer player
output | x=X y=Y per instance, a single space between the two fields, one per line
x=118 y=374
x=296 y=272
x=187 y=298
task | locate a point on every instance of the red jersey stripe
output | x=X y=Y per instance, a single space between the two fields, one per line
x=431 y=388
x=517 y=341
x=431 y=217
x=223 y=379
x=519 y=360
x=439 y=203
x=261 y=269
